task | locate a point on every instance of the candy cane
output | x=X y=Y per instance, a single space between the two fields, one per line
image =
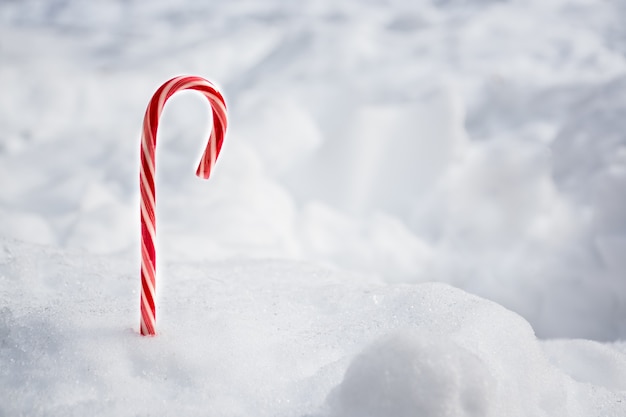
x=146 y=178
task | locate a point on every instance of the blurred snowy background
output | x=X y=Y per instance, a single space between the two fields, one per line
x=476 y=143
x=480 y=144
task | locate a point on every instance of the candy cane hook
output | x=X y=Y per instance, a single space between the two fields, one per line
x=146 y=178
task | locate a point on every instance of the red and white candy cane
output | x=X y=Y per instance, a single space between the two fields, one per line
x=146 y=178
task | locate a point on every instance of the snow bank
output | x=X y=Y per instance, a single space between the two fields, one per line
x=276 y=338
x=463 y=356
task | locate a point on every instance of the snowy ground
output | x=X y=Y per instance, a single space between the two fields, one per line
x=409 y=192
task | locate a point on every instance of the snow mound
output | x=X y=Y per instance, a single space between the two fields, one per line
x=272 y=338
x=458 y=355
x=407 y=375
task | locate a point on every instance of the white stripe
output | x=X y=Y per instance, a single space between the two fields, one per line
x=149 y=283
x=148 y=157
x=221 y=113
x=216 y=101
x=147 y=123
x=145 y=215
x=147 y=307
x=213 y=151
x=189 y=84
x=144 y=329
x=164 y=93
x=144 y=143
x=147 y=263
x=166 y=90
x=146 y=268
x=201 y=167
x=151 y=200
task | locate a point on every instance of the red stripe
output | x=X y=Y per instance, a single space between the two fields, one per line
x=146 y=292
x=147 y=322
x=146 y=171
x=147 y=240
x=219 y=133
x=145 y=197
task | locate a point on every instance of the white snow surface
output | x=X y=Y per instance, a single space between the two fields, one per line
x=278 y=338
x=419 y=209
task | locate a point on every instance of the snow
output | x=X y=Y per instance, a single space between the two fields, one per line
x=264 y=337
x=417 y=209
